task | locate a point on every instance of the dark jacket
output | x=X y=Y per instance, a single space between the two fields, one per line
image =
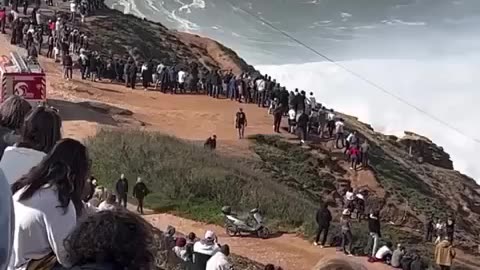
x=302 y=121
x=122 y=186
x=418 y=264
x=323 y=217
x=374 y=225
x=210 y=143
x=140 y=190
x=93 y=266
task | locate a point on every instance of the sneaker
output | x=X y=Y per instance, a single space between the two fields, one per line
x=350 y=255
x=322 y=246
x=315 y=243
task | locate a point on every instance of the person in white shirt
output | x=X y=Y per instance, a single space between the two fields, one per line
x=330 y=122
x=73 y=10
x=311 y=103
x=292 y=120
x=339 y=133
x=109 y=203
x=47 y=202
x=182 y=77
x=220 y=261
x=204 y=249
x=260 y=98
x=42 y=129
x=384 y=253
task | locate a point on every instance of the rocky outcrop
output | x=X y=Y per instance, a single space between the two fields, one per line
x=424 y=150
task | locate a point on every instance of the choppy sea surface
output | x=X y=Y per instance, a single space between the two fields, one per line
x=426 y=52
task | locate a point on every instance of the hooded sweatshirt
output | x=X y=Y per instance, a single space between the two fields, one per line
x=17 y=161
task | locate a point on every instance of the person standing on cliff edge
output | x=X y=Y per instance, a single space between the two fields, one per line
x=241 y=123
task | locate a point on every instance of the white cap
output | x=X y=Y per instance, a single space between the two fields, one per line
x=209 y=235
x=122 y=175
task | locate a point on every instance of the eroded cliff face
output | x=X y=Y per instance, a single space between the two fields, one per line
x=424 y=150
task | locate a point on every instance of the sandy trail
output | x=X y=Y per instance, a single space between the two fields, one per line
x=186 y=116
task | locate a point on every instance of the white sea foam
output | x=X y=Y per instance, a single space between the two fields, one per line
x=447 y=88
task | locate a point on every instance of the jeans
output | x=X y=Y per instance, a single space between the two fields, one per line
x=372 y=244
x=216 y=91
x=122 y=199
x=347 y=242
x=324 y=229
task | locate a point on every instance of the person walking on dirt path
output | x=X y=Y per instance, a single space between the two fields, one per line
x=364 y=152
x=211 y=142
x=444 y=254
x=374 y=233
x=140 y=191
x=354 y=154
x=67 y=67
x=339 y=133
x=323 y=218
x=302 y=127
x=346 y=232
x=121 y=188
x=330 y=123
x=241 y=123
x=277 y=117
x=132 y=74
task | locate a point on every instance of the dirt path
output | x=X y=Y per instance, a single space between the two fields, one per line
x=188 y=117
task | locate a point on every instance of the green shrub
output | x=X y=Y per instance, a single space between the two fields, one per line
x=192 y=181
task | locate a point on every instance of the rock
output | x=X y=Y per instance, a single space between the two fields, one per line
x=425 y=151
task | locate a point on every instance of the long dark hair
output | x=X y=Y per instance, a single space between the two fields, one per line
x=41 y=129
x=13 y=111
x=66 y=167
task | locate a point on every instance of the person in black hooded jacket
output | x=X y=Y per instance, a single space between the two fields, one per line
x=374 y=233
x=323 y=218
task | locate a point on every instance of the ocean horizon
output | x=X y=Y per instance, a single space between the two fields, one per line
x=424 y=51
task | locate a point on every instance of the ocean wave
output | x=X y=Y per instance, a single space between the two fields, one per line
x=453 y=98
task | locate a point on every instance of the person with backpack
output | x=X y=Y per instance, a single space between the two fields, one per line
x=323 y=218
x=241 y=123
x=121 y=188
x=140 y=191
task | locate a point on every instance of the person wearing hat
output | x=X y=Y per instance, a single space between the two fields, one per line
x=204 y=249
x=346 y=232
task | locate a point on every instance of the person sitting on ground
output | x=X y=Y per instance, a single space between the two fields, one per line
x=47 y=203
x=211 y=142
x=140 y=191
x=337 y=264
x=89 y=189
x=41 y=130
x=220 y=261
x=12 y=115
x=204 y=249
x=109 y=204
x=111 y=240
x=397 y=256
x=180 y=248
x=384 y=254
x=444 y=254
x=170 y=236
x=417 y=263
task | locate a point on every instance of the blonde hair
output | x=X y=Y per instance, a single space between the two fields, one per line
x=338 y=264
